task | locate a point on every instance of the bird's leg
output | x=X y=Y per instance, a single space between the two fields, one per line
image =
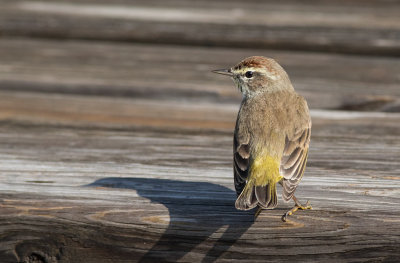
x=297 y=206
x=257 y=213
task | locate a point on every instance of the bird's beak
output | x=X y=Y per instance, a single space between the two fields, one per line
x=227 y=72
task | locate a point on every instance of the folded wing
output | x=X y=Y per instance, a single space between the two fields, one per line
x=294 y=159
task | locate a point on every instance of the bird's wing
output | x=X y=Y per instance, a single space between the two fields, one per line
x=293 y=162
x=241 y=156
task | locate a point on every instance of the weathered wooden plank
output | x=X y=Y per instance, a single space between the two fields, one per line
x=108 y=112
x=351 y=26
x=183 y=73
x=94 y=193
x=140 y=170
x=95 y=111
x=104 y=195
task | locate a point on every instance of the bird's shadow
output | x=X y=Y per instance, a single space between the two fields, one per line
x=197 y=210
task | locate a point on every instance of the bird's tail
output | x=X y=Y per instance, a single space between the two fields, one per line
x=264 y=196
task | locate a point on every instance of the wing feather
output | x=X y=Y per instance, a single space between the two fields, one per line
x=294 y=160
x=241 y=153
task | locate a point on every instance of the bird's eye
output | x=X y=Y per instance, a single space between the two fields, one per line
x=249 y=74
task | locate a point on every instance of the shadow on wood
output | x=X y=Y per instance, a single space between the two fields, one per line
x=197 y=210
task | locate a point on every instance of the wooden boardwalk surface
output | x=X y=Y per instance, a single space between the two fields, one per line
x=116 y=142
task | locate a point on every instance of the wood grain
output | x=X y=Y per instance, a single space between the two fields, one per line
x=90 y=195
x=184 y=73
x=351 y=26
x=116 y=139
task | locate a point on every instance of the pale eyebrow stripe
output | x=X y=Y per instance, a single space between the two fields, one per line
x=259 y=70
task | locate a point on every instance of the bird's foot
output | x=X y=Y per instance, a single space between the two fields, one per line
x=295 y=208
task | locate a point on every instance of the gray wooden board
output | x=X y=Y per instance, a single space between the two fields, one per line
x=366 y=27
x=184 y=73
x=89 y=191
x=114 y=152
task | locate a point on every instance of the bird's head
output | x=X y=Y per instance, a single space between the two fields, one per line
x=257 y=74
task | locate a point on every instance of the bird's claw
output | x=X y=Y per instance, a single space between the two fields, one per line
x=295 y=208
x=307 y=206
x=285 y=215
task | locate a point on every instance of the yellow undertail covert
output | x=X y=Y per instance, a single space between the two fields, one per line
x=265 y=170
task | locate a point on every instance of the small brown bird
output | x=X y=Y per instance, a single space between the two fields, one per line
x=272 y=135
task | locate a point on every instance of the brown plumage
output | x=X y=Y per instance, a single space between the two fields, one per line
x=272 y=134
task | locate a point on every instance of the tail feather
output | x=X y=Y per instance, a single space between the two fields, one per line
x=267 y=197
x=263 y=196
x=274 y=197
x=247 y=199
